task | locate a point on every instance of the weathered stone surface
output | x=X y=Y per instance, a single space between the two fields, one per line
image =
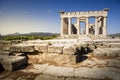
x=12 y=62
x=27 y=48
x=113 y=63
x=22 y=48
x=59 y=71
x=5 y=43
x=41 y=47
x=114 y=45
x=37 y=68
x=55 y=49
x=48 y=77
x=15 y=48
x=97 y=73
x=5 y=53
x=99 y=61
x=70 y=49
x=58 y=59
x=77 y=79
x=112 y=52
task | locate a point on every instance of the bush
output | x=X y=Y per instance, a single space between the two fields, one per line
x=32 y=37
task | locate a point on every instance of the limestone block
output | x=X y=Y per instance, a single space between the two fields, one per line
x=5 y=43
x=113 y=62
x=70 y=49
x=6 y=48
x=114 y=45
x=98 y=53
x=22 y=48
x=59 y=71
x=59 y=59
x=77 y=79
x=55 y=49
x=89 y=73
x=41 y=47
x=51 y=49
x=5 y=53
x=48 y=77
x=13 y=62
x=110 y=52
x=15 y=49
x=27 y=48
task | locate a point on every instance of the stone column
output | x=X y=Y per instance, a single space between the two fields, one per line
x=86 y=29
x=62 y=19
x=96 y=25
x=78 y=26
x=104 y=26
x=69 y=26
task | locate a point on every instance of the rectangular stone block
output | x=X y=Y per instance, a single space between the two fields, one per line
x=59 y=59
x=5 y=53
x=15 y=49
x=41 y=47
x=13 y=62
x=55 y=49
x=70 y=49
x=27 y=48
x=5 y=43
x=51 y=49
x=22 y=48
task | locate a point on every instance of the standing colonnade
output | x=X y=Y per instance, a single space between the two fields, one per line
x=97 y=28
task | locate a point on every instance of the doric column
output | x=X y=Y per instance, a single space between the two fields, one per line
x=62 y=26
x=86 y=29
x=104 y=26
x=96 y=25
x=69 y=26
x=78 y=26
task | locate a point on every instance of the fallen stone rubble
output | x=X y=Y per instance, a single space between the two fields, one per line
x=58 y=60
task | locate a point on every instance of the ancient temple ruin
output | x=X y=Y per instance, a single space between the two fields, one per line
x=97 y=27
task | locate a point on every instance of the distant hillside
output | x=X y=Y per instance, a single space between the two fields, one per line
x=32 y=34
x=114 y=35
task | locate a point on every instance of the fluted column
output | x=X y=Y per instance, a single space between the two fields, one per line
x=69 y=26
x=96 y=25
x=62 y=26
x=78 y=26
x=87 y=26
x=104 y=27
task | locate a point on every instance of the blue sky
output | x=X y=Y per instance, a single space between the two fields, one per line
x=26 y=16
